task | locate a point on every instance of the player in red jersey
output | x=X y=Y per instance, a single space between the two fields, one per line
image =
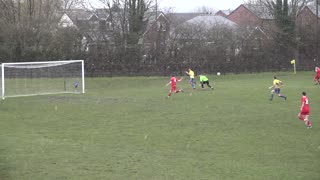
x=305 y=110
x=317 y=76
x=173 y=82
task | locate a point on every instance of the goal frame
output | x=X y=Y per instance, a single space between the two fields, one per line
x=3 y=65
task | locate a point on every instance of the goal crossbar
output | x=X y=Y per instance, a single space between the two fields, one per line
x=68 y=73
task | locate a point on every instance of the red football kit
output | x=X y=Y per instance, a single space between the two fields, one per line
x=305 y=106
x=318 y=72
x=317 y=76
x=173 y=81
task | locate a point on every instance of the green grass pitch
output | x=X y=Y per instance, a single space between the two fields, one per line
x=125 y=128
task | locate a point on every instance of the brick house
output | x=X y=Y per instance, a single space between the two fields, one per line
x=257 y=20
x=223 y=13
x=308 y=17
x=309 y=34
x=251 y=15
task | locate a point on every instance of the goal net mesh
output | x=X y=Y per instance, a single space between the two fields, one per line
x=36 y=78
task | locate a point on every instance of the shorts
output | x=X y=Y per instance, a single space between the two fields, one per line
x=277 y=90
x=305 y=112
x=173 y=89
x=205 y=82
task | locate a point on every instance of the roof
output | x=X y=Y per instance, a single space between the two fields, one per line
x=260 y=11
x=79 y=14
x=313 y=9
x=206 y=22
x=226 y=12
x=150 y=17
x=210 y=20
x=102 y=13
x=179 y=18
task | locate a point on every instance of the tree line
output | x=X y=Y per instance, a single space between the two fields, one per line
x=30 y=31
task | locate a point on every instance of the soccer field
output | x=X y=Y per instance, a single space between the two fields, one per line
x=126 y=128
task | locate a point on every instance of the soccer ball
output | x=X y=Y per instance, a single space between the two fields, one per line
x=218 y=73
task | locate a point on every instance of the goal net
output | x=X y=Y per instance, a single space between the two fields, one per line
x=39 y=78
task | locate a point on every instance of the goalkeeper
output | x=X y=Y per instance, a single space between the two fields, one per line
x=204 y=80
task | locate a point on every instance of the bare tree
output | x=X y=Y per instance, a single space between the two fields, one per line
x=204 y=10
x=72 y=4
x=28 y=29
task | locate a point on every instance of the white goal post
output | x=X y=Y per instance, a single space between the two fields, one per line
x=42 y=77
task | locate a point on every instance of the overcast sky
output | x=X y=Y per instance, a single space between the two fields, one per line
x=191 y=5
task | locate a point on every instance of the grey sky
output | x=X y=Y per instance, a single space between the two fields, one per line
x=191 y=5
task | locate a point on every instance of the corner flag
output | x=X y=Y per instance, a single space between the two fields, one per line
x=293 y=61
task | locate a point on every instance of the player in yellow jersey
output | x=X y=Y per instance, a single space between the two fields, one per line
x=191 y=81
x=276 y=85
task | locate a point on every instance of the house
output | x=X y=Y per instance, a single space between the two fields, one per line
x=76 y=18
x=307 y=22
x=93 y=25
x=251 y=15
x=156 y=29
x=159 y=25
x=158 y=21
x=307 y=17
x=257 y=22
x=96 y=26
x=223 y=13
